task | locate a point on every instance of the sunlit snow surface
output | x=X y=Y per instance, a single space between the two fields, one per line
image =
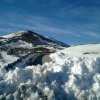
x=13 y=34
x=6 y=59
x=73 y=74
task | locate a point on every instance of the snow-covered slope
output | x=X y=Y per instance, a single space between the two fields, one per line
x=34 y=38
x=87 y=51
x=29 y=40
x=19 y=33
x=22 y=43
x=6 y=59
x=73 y=74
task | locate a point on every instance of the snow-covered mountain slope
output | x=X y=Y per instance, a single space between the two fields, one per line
x=6 y=59
x=34 y=38
x=14 y=34
x=23 y=43
x=72 y=74
x=29 y=40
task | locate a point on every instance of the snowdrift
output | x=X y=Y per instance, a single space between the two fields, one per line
x=73 y=74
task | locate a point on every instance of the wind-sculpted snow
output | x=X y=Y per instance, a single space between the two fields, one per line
x=66 y=77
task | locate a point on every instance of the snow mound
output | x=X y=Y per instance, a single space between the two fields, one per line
x=88 y=51
x=7 y=59
x=73 y=74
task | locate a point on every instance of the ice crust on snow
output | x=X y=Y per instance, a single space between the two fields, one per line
x=73 y=74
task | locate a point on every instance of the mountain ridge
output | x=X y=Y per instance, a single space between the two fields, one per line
x=25 y=45
x=30 y=34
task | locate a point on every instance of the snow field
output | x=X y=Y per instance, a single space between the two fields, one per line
x=73 y=74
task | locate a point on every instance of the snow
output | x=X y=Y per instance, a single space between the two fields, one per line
x=6 y=59
x=20 y=44
x=73 y=74
x=88 y=51
x=19 y=33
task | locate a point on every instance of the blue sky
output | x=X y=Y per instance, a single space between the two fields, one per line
x=70 y=21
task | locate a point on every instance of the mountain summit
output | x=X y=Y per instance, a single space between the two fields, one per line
x=24 y=47
x=34 y=38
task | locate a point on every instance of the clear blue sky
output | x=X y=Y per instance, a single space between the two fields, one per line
x=70 y=21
